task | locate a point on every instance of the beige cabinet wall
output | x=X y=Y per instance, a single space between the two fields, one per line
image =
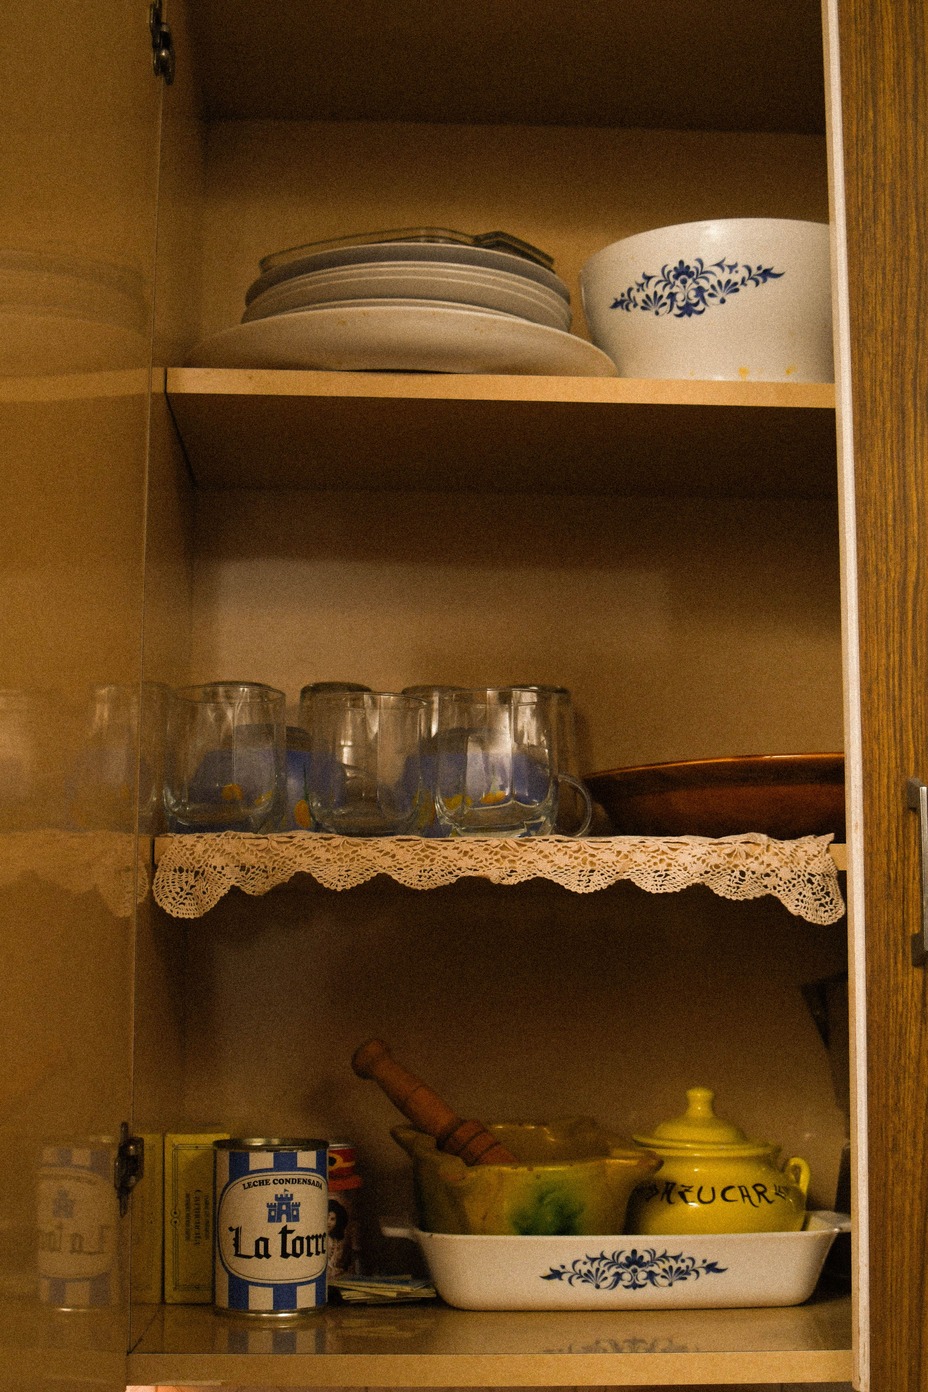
x=684 y=628
x=567 y=189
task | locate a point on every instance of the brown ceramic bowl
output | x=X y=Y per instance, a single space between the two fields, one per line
x=782 y=795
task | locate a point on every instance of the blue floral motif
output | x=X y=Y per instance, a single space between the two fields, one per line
x=691 y=287
x=633 y=1270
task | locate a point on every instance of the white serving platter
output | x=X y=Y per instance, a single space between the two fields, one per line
x=627 y=1272
x=402 y=336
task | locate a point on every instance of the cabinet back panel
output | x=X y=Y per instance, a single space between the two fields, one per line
x=514 y=1003
x=475 y=60
x=685 y=630
x=274 y=184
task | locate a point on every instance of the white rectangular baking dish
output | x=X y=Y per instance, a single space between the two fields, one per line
x=627 y=1272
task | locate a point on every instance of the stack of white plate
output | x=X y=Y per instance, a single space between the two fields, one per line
x=407 y=307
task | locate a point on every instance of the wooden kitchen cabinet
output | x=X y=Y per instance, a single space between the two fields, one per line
x=711 y=567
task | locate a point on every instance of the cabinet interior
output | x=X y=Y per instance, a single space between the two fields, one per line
x=689 y=620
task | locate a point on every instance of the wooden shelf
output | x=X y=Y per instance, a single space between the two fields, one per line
x=245 y=428
x=430 y=1345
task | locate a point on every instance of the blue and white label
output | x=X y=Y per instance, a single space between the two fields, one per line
x=271 y=1217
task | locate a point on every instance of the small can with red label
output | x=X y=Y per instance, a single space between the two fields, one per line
x=271 y=1221
x=344 y=1218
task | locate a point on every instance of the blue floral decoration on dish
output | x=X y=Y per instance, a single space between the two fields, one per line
x=691 y=287
x=633 y=1270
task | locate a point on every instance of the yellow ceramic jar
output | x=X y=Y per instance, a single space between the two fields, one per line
x=572 y=1178
x=714 y=1180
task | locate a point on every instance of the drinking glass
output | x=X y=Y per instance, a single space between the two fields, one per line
x=365 y=768
x=154 y=708
x=429 y=825
x=313 y=689
x=573 y=805
x=102 y=783
x=296 y=815
x=225 y=757
x=20 y=758
x=497 y=771
x=431 y=695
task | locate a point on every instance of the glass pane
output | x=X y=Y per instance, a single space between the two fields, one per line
x=79 y=109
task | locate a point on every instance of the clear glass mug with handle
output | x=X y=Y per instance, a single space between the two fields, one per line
x=225 y=757
x=498 y=769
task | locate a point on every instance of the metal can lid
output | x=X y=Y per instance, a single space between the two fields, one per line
x=342 y=1158
x=270 y=1143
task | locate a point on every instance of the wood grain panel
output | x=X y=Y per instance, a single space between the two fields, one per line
x=883 y=53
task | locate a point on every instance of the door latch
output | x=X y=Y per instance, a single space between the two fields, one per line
x=162 y=44
x=917 y=800
x=129 y=1166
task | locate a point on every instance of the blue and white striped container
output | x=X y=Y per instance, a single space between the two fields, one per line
x=271 y=1220
x=77 y=1226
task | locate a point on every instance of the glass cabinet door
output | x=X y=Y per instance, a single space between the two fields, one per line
x=79 y=107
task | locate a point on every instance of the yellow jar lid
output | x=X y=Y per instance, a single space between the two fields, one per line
x=698 y=1127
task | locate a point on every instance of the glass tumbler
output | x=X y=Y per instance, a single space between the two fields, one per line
x=20 y=759
x=429 y=825
x=573 y=806
x=313 y=689
x=225 y=757
x=101 y=788
x=365 y=766
x=497 y=768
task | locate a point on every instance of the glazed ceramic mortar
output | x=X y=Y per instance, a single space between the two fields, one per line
x=715 y=1180
x=572 y=1178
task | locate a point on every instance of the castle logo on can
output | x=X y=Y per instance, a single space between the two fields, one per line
x=270 y=1227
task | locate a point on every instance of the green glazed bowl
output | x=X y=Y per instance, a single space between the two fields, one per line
x=573 y=1178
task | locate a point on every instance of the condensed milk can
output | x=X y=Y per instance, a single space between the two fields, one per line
x=77 y=1224
x=271 y=1219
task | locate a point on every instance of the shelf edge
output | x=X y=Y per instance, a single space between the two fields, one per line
x=494 y=1370
x=258 y=382
x=837 y=850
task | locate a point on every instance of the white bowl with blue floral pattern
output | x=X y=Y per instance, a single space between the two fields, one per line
x=700 y=1271
x=733 y=299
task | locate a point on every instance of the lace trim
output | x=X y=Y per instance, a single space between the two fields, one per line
x=195 y=871
x=113 y=863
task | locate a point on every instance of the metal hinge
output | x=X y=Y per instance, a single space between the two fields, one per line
x=129 y=1167
x=917 y=801
x=162 y=44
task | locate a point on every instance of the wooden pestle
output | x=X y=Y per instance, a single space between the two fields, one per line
x=470 y=1140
